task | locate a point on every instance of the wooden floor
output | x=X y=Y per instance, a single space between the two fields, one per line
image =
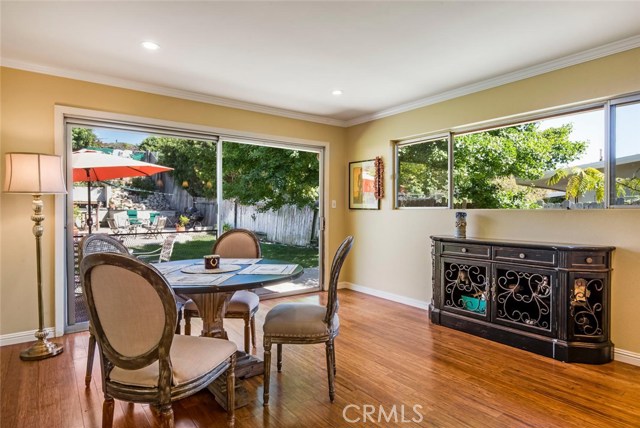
x=387 y=354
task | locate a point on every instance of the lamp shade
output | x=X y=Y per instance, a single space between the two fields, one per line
x=34 y=173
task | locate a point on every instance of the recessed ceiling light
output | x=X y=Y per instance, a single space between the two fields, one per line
x=336 y=92
x=150 y=45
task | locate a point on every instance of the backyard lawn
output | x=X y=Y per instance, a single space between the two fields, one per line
x=202 y=244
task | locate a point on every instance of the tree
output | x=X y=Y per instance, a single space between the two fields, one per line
x=522 y=152
x=486 y=164
x=193 y=162
x=581 y=181
x=252 y=175
x=84 y=137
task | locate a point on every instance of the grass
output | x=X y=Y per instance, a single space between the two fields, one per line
x=202 y=245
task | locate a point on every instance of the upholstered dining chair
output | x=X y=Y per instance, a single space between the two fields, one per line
x=133 y=312
x=101 y=243
x=163 y=254
x=304 y=323
x=91 y=244
x=235 y=243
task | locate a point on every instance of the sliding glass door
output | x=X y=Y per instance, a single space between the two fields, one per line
x=215 y=184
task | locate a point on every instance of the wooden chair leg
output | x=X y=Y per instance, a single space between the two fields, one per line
x=187 y=323
x=267 y=371
x=107 y=412
x=178 y=323
x=246 y=333
x=166 y=416
x=91 y=351
x=330 y=369
x=253 y=330
x=279 y=357
x=333 y=357
x=231 y=392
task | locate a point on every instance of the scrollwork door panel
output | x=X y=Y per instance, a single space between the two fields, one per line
x=523 y=298
x=587 y=320
x=465 y=287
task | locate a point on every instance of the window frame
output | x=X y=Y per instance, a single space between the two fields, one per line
x=396 y=165
x=610 y=148
x=605 y=104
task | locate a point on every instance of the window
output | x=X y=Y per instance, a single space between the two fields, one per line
x=550 y=163
x=625 y=152
x=423 y=173
x=564 y=161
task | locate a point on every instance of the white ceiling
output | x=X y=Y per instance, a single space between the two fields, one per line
x=287 y=57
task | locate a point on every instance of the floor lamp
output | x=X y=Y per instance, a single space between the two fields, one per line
x=37 y=174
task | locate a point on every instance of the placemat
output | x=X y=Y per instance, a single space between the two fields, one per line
x=199 y=280
x=199 y=268
x=239 y=261
x=267 y=269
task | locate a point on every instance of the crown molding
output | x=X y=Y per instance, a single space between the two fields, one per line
x=525 y=73
x=170 y=92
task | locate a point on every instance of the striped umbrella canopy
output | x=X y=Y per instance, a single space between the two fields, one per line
x=92 y=165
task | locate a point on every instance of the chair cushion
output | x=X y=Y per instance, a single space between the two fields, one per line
x=298 y=320
x=191 y=357
x=243 y=301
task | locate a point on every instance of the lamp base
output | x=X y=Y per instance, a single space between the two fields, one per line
x=41 y=349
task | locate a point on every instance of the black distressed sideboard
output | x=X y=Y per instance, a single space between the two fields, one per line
x=547 y=298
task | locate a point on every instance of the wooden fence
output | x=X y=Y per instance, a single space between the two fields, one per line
x=289 y=225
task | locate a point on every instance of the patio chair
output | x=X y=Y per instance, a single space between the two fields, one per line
x=133 y=311
x=162 y=254
x=236 y=243
x=156 y=227
x=133 y=217
x=116 y=227
x=304 y=323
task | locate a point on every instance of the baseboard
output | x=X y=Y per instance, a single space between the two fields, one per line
x=621 y=355
x=628 y=357
x=23 y=336
x=385 y=295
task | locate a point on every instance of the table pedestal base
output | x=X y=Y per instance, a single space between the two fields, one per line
x=246 y=366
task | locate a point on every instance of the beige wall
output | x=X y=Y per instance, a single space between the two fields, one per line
x=27 y=123
x=391 y=250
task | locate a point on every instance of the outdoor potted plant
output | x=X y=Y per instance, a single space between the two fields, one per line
x=182 y=223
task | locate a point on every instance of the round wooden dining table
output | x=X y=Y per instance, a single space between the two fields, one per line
x=211 y=291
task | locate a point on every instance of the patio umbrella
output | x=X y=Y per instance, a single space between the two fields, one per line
x=91 y=165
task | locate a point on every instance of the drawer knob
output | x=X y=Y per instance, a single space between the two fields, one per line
x=464 y=250
x=522 y=255
x=589 y=260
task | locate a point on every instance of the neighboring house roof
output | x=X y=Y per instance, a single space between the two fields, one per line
x=630 y=163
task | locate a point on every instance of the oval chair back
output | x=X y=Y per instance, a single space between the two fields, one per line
x=336 y=266
x=238 y=243
x=132 y=310
x=100 y=243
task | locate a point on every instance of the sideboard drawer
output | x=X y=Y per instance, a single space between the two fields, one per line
x=588 y=260
x=531 y=256
x=456 y=249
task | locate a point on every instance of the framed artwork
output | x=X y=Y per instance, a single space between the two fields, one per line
x=362 y=185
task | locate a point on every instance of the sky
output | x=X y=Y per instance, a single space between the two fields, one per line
x=112 y=136
x=588 y=126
